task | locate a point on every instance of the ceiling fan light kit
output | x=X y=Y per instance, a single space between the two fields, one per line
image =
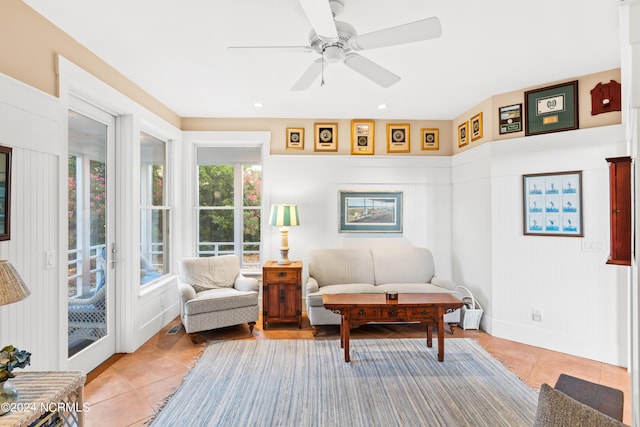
x=337 y=41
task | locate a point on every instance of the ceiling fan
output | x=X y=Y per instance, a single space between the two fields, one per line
x=337 y=41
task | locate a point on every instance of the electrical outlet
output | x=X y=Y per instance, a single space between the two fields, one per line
x=536 y=314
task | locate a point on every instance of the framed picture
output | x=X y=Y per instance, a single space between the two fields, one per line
x=295 y=138
x=476 y=127
x=430 y=139
x=5 y=192
x=371 y=211
x=398 y=138
x=463 y=134
x=510 y=118
x=325 y=137
x=551 y=109
x=362 y=136
x=553 y=204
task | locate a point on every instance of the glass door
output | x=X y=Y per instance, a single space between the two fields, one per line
x=91 y=246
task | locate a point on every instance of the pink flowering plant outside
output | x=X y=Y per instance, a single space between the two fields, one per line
x=11 y=358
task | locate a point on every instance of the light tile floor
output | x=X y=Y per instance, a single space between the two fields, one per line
x=125 y=392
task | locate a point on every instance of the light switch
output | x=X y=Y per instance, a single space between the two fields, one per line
x=50 y=259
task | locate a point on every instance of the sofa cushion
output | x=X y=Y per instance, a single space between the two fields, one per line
x=315 y=299
x=402 y=265
x=417 y=288
x=210 y=272
x=336 y=266
x=556 y=409
x=219 y=300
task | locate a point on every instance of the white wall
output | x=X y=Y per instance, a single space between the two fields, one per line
x=472 y=227
x=583 y=300
x=313 y=183
x=29 y=123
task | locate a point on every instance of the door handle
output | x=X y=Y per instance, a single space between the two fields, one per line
x=113 y=261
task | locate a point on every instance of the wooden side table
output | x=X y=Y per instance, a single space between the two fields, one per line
x=282 y=293
x=44 y=392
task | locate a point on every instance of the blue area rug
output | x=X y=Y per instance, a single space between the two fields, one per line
x=389 y=382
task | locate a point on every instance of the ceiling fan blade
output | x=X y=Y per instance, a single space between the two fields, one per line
x=319 y=14
x=424 y=29
x=309 y=76
x=285 y=49
x=371 y=70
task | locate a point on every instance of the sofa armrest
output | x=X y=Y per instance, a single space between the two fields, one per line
x=248 y=284
x=444 y=283
x=187 y=293
x=311 y=286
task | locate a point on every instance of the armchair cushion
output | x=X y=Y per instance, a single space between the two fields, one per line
x=209 y=273
x=219 y=300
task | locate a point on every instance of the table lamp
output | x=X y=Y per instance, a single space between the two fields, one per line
x=12 y=289
x=284 y=216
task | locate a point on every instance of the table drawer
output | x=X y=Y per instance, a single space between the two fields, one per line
x=423 y=314
x=391 y=313
x=281 y=276
x=365 y=313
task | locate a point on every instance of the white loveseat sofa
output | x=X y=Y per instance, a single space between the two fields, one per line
x=348 y=271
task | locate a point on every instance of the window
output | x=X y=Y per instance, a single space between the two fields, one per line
x=87 y=205
x=154 y=212
x=229 y=203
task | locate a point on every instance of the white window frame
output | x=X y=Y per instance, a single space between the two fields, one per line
x=238 y=216
x=146 y=210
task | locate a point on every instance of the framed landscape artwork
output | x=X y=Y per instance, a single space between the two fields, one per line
x=325 y=137
x=370 y=212
x=551 y=109
x=5 y=192
x=398 y=138
x=553 y=204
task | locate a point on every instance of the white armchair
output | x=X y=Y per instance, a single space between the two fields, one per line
x=213 y=294
x=88 y=316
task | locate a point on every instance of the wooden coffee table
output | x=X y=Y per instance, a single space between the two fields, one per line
x=358 y=309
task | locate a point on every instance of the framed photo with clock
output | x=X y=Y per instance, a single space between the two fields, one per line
x=362 y=136
x=295 y=138
x=398 y=138
x=325 y=137
x=463 y=134
x=476 y=127
x=430 y=139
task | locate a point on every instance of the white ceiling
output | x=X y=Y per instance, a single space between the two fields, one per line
x=177 y=51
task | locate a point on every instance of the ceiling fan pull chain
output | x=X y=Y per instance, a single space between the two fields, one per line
x=322 y=70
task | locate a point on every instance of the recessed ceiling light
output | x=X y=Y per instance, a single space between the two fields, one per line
x=257 y=104
x=382 y=106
